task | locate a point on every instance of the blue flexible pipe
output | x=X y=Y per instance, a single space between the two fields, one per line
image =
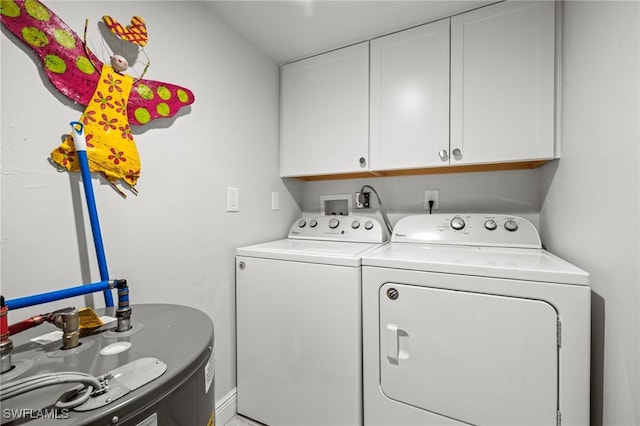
x=52 y=296
x=81 y=148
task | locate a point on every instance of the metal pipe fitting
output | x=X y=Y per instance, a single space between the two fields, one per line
x=69 y=323
x=5 y=353
x=6 y=346
x=123 y=313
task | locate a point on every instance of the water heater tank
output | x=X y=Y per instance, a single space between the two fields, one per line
x=168 y=354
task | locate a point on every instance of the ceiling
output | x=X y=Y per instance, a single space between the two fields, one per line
x=286 y=30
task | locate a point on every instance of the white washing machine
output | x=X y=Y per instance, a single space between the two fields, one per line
x=299 y=323
x=467 y=320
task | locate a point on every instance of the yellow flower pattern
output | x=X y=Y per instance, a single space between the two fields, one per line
x=111 y=148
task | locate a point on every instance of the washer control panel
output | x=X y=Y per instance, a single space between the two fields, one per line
x=360 y=229
x=467 y=229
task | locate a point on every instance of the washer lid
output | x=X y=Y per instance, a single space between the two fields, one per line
x=498 y=262
x=312 y=251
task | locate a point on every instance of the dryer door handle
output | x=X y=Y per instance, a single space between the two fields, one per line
x=393 y=345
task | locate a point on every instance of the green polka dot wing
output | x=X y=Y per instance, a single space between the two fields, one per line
x=72 y=68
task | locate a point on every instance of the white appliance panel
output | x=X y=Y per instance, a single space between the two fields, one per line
x=299 y=353
x=572 y=302
x=486 y=230
x=477 y=358
x=487 y=327
x=529 y=264
x=322 y=252
x=358 y=229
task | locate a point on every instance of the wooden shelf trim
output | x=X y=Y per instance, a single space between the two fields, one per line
x=523 y=165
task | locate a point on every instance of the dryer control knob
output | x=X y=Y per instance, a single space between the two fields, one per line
x=333 y=223
x=457 y=223
x=313 y=223
x=490 y=224
x=511 y=225
x=302 y=223
x=368 y=225
x=355 y=224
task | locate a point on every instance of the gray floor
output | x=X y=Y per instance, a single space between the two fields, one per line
x=242 y=421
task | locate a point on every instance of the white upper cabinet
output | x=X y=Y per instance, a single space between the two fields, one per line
x=325 y=113
x=410 y=97
x=502 y=83
x=477 y=89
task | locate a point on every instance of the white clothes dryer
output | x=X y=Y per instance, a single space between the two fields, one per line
x=299 y=323
x=467 y=320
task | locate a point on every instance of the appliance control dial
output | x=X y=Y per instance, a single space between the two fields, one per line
x=490 y=224
x=457 y=223
x=361 y=229
x=511 y=225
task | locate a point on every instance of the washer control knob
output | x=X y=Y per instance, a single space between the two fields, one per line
x=511 y=225
x=457 y=223
x=355 y=224
x=490 y=224
x=333 y=223
x=313 y=223
x=368 y=225
x=302 y=223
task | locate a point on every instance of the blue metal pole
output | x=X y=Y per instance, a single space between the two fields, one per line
x=65 y=293
x=81 y=148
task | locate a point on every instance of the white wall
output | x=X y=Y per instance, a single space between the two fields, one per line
x=513 y=192
x=591 y=209
x=174 y=242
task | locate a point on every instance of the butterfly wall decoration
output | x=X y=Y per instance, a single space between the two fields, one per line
x=113 y=100
x=136 y=32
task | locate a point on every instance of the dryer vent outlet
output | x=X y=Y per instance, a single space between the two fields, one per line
x=363 y=200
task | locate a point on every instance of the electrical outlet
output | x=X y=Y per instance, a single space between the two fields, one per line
x=432 y=194
x=366 y=202
x=233 y=199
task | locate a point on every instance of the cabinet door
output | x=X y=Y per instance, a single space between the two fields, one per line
x=502 y=83
x=410 y=97
x=325 y=113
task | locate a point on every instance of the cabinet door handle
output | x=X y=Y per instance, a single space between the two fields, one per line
x=457 y=154
x=363 y=162
x=444 y=155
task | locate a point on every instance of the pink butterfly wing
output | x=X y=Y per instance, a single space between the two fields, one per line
x=58 y=46
x=154 y=99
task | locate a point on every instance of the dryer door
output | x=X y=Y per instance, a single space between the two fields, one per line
x=478 y=358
